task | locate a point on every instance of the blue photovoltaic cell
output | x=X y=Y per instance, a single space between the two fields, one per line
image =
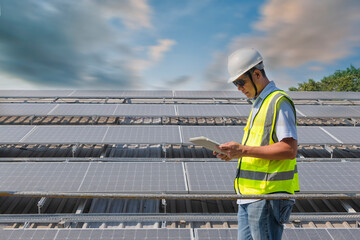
x=147 y=94
x=65 y=177
x=25 y=109
x=329 y=177
x=243 y=110
x=207 y=110
x=347 y=135
x=35 y=93
x=306 y=234
x=134 y=177
x=84 y=110
x=211 y=177
x=97 y=93
x=346 y=233
x=199 y=94
x=145 y=110
x=288 y=234
x=220 y=134
x=312 y=95
x=143 y=134
x=314 y=135
x=66 y=135
x=96 y=234
x=316 y=111
x=216 y=234
x=13 y=134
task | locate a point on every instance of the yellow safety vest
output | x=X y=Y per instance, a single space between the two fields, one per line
x=262 y=176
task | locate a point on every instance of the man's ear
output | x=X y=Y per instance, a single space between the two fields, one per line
x=258 y=74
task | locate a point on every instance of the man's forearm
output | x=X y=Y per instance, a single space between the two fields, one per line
x=285 y=149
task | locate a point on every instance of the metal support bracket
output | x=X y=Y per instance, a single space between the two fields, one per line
x=41 y=203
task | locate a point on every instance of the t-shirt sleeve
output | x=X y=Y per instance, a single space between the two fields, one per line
x=286 y=121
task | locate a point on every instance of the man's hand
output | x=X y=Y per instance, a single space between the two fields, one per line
x=232 y=150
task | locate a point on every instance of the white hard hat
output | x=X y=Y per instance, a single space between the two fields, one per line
x=242 y=60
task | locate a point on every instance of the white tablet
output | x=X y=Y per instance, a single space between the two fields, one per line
x=207 y=143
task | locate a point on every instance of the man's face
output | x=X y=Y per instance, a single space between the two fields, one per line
x=247 y=89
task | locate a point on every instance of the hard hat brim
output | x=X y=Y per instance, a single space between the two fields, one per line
x=231 y=79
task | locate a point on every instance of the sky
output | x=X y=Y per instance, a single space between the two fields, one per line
x=171 y=44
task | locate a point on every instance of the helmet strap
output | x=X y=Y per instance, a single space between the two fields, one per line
x=253 y=83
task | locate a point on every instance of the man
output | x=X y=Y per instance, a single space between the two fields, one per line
x=267 y=153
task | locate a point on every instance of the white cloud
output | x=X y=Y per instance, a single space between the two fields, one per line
x=73 y=44
x=9 y=82
x=154 y=55
x=156 y=52
x=135 y=14
x=293 y=33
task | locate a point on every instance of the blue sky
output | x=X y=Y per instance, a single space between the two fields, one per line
x=171 y=44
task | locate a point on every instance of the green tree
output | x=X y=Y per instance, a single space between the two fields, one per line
x=341 y=80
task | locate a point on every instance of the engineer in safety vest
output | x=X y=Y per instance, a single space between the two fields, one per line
x=266 y=155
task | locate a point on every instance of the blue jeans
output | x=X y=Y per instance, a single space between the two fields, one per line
x=263 y=219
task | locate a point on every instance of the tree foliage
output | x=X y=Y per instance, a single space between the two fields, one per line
x=342 y=80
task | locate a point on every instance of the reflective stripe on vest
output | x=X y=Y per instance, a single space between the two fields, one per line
x=262 y=176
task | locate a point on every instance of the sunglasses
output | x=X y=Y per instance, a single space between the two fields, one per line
x=240 y=82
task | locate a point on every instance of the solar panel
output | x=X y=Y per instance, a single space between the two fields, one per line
x=234 y=94
x=66 y=135
x=145 y=110
x=347 y=135
x=216 y=234
x=35 y=93
x=356 y=108
x=199 y=94
x=141 y=177
x=143 y=134
x=329 y=177
x=13 y=134
x=288 y=234
x=305 y=234
x=83 y=110
x=202 y=110
x=313 y=95
x=327 y=111
x=314 y=135
x=25 y=109
x=346 y=233
x=325 y=177
x=220 y=134
x=95 y=234
x=243 y=110
x=64 y=177
x=211 y=177
x=98 y=93
x=147 y=94
x=26 y=234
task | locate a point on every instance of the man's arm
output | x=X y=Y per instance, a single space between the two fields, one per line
x=286 y=132
x=285 y=149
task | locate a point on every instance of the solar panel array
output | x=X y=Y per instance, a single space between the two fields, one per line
x=163 y=177
x=98 y=234
x=317 y=177
x=289 y=234
x=127 y=177
x=168 y=110
x=170 y=233
x=167 y=94
x=153 y=134
x=329 y=177
x=327 y=111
